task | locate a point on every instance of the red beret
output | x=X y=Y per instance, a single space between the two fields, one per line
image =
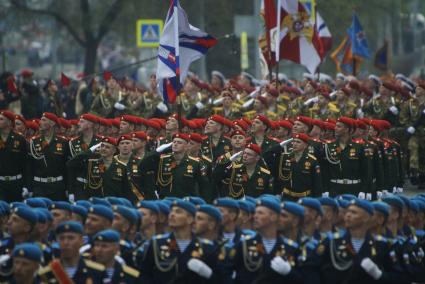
x=90 y=117
x=64 y=123
x=218 y=118
x=160 y=121
x=361 y=124
x=318 y=123
x=124 y=137
x=130 y=118
x=264 y=120
x=391 y=86
x=8 y=114
x=354 y=84
x=254 y=147
x=366 y=91
x=115 y=122
x=324 y=91
x=32 y=125
x=153 y=124
x=273 y=91
x=20 y=117
x=73 y=121
x=196 y=137
x=182 y=136
x=301 y=136
x=313 y=84
x=139 y=135
x=227 y=93
x=284 y=123
x=51 y=116
x=386 y=124
x=237 y=132
x=109 y=140
x=228 y=122
x=377 y=125
x=347 y=121
x=329 y=125
x=104 y=121
x=346 y=91
x=26 y=72
x=304 y=119
x=241 y=123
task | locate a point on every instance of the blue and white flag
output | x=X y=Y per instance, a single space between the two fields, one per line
x=359 y=46
x=179 y=46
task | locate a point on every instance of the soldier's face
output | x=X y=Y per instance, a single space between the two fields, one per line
x=104 y=252
x=202 y=222
x=299 y=145
x=138 y=143
x=17 y=226
x=193 y=147
x=125 y=147
x=287 y=221
x=238 y=141
x=70 y=244
x=179 y=146
x=45 y=124
x=257 y=126
x=341 y=129
x=4 y=122
x=356 y=217
x=171 y=124
x=249 y=157
x=84 y=125
x=229 y=216
x=126 y=127
x=149 y=218
x=212 y=127
x=243 y=218
x=19 y=126
x=24 y=268
x=299 y=127
x=227 y=102
x=95 y=223
x=179 y=218
x=120 y=224
x=282 y=132
x=420 y=92
x=264 y=217
x=59 y=216
x=107 y=150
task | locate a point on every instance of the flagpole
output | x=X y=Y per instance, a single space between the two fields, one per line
x=177 y=51
x=354 y=67
x=277 y=41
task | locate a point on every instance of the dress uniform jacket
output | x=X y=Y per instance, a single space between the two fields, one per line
x=214 y=151
x=267 y=143
x=165 y=263
x=13 y=154
x=47 y=166
x=124 y=274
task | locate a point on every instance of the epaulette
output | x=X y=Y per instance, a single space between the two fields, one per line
x=206 y=158
x=248 y=237
x=217 y=110
x=125 y=243
x=118 y=161
x=290 y=243
x=94 y=265
x=281 y=107
x=285 y=97
x=131 y=271
x=312 y=156
x=237 y=166
x=205 y=241
x=247 y=232
x=161 y=236
x=338 y=235
x=62 y=137
x=264 y=170
x=193 y=158
x=163 y=156
x=380 y=238
x=35 y=136
x=44 y=270
x=251 y=112
x=312 y=244
x=237 y=105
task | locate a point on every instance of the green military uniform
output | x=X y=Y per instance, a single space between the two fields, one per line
x=267 y=143
x=101 y=180
x=133 y=173
x=188 y=178
x=46 y=166
x=212 y=151
x=76 y=177
x=294 y=179
x=233 y=114
x=103 y=104
x=13 y=154
x=347 y=169
x=235 y=181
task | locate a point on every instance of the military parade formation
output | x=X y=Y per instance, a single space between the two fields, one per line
x=239 y=181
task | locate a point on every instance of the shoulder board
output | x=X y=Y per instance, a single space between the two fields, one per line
x=35 y=137
x=131 y=271
x=124 y=243
x=206 y=158
x=264 y=170
x=380 y=238
x=19 y=134
x=236 y=166
x=119 y=162
x=44 y=270
x=94 y=265
x=161 y=236
x=237 y=105
x=290 y=243
x=217 y=109
x=248 y=237
x=62 y=137
x=163 y=156
x=338 y=235
x=247 y=232
x=285 y=97
x=281 y=107
x=193 y=158
x=250 y=112
x=312 y=157
x=205 y=241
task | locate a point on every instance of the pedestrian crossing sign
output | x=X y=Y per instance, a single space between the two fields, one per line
x=149 y=32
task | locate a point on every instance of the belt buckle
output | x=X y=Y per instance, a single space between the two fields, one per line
x=49 y=179
x=345 y=181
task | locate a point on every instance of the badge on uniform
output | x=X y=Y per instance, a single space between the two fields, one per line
x=307 y=165
x=16 y=144
x=226 y=148
x=352 y=152
x=119 y=172
x=135 y=169
x=59 y=147
x=260 y=182
x=189 y=169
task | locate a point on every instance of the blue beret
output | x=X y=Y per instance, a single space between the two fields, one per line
x=126 y=202
x=277 y=199
x=26 y=213
x=100 y=201
x=170 y=198
x=327 y=201
x=194 y=200
x=126 y=212
x=79 y=210
x=293 y=208
x=102 y=211
x=86 y=204
x=247 y=206
x=35 y=202
x=347 y=196
x=70 y=227
x=47 y=214
x=420 y=202
x=342 y=202
x=4 y=208
x=110 y=236
x=46 y=200
x=29 y=251
x=186 y=205
x=114 y=200
x=149 y=204
x=164 y=206
x=311 y=203
x=14 y=205
x=270 y=203
x=250 y=199
x=381 y=207
x=138 y=214
x=41 y=217
x=364 y=204
x=405 y=200
x=226 y=202
x=62 y=205
x=212 y=211
x=394 y=201
x=414 y=206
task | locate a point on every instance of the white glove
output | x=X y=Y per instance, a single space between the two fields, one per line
x=411 y=130
x=199 y=105
x=360 y=113
x=280 y=265
x=286 y=142
x=362 y=195
x=119 y=106
x=371 y=268
x=234 y=157
x=162 y=107
x=325 y=194
x=94 y=147
x=423 y=112
x=26 y=193
x=395 y=190
x=248 y=103
x=254 y=94
x=199 y=267
x=369 y=196
x=311 y=101
x=332 y=95
x=379 y=195
x=71 y=198
x=399 y=190
x=218 y=101
x=4 y=258
x=393 y=110
x=162 y=148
